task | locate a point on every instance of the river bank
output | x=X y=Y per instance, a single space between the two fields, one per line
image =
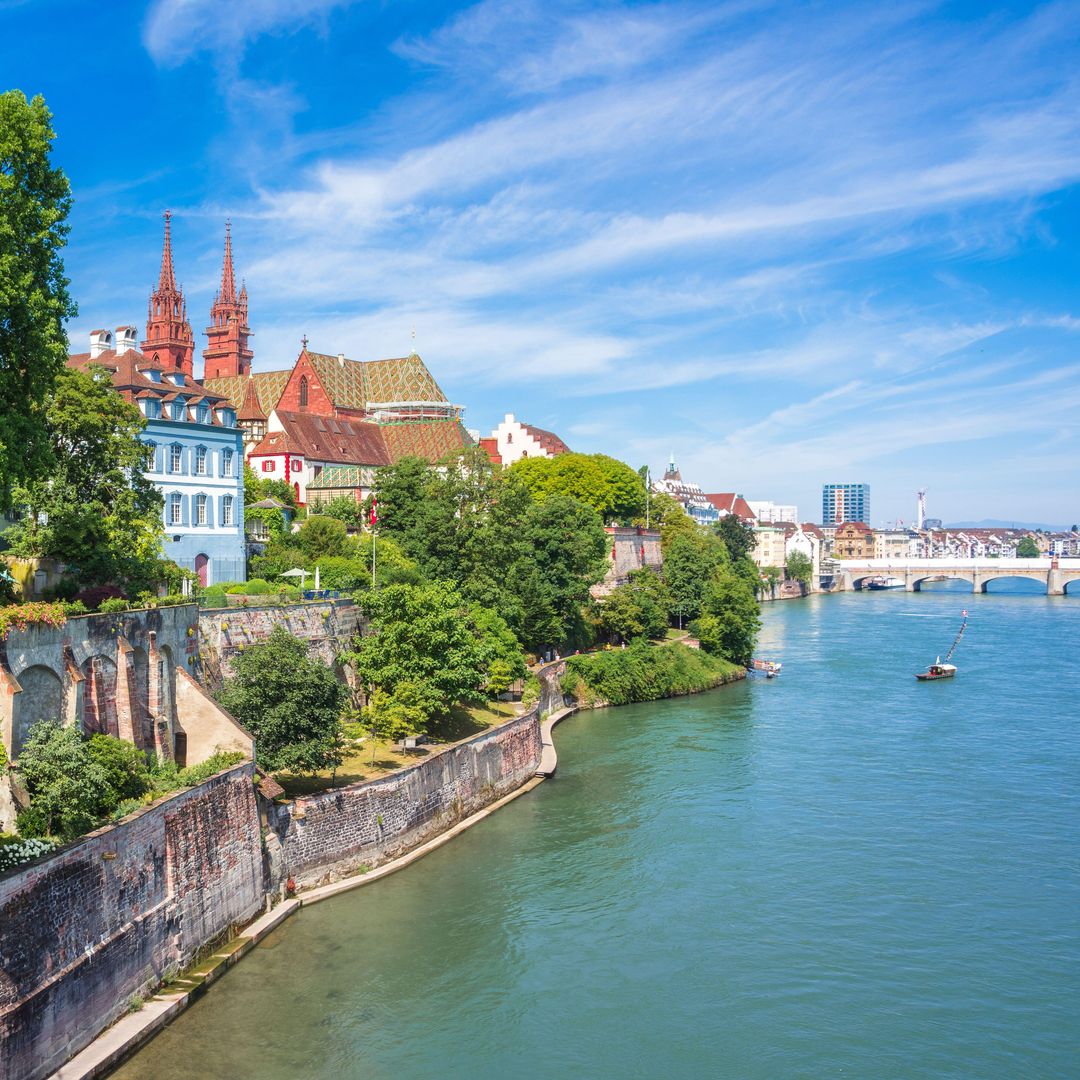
x=839 y=872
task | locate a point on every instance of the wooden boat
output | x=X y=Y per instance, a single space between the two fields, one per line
x=942 y=669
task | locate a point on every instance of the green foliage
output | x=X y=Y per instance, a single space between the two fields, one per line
x=404 y=711
x=422 y=637
x=113 y=605
x=254 y=587
x=35 y=199
x=270 y=516
x=614 y=490
x=346 y=509
x=96 y=509
x=643 y=672
x=504 y=662
x=124 y=766
x=1027 y=548
x=640 y=608
x=256 y=489
x=691 y=561
x=213 y=598
x=289 y=701
x=322 y=537
x=477 y=526
x=800 y=567
x=65 y=783
x=737 y=535
x=75 y=607
x=730 y=618
x=217 y=762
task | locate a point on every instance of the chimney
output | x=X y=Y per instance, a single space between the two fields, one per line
x=100 y=341
x=127 y=338
x=341 y=359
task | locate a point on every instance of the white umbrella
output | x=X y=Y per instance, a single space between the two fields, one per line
x=316 y=577
x=296 y=572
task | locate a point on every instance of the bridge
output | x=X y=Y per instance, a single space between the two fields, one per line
x=1056 y=574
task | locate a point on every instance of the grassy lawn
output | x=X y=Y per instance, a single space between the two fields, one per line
x=676 y=635
x=460 y=724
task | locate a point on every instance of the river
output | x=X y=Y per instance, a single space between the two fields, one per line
x=840 y=872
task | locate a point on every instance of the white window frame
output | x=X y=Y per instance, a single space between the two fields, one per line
x=227 y=510
x=201 y=517
x=227 y=463
x=176 y=458
x=202 y=456
x=176 y=510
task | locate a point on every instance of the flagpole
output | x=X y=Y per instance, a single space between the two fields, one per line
x=374 y=518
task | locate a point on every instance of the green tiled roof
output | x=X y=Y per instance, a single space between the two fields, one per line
x=342 y=476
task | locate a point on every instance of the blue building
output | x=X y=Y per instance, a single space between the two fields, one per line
x=845 y=502
x=198 y=462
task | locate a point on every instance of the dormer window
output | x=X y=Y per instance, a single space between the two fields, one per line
x=152 y=374
x=179 y=410
x=227 y=417
x=176 y=378
x=202 y=414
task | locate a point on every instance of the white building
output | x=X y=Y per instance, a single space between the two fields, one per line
x=514 y=441
x=770 y=511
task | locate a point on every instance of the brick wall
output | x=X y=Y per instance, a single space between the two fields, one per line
x=331 y=834
x=84 y=929
x=328 y=627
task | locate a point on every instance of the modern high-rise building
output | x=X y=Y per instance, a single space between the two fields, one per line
x=845 y=502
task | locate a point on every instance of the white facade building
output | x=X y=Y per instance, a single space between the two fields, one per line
x=515 y=440
x=772 y=512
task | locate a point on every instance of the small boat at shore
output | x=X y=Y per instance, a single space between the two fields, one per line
x=942 y=669
x=771 y=668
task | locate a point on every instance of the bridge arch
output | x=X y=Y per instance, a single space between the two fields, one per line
x=931 y=576
x=984 y=579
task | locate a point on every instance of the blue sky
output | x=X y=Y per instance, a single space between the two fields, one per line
x=790 y=242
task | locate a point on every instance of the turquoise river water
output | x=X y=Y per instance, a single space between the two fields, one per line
x=837 y=873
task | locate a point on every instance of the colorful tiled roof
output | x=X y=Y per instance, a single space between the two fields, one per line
x=431 y=440
x=324 y=438
x=350 y=384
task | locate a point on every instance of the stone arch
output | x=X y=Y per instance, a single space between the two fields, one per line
x=985 y=579
x=42 y=698
x=1067 y=587
x=138 y=675
x=918 y=583
x=99 y=696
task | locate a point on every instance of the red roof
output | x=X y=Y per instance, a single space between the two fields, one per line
x=251 y=409
x=548 y=440
x=323 y=438
x=858 y=526
x=727 y=502
x=490 y=447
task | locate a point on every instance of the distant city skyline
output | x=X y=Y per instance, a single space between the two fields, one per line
x=714 y=228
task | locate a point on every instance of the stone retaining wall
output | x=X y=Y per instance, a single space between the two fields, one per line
x=328 y=626
x=368 y=823
x=84 y=929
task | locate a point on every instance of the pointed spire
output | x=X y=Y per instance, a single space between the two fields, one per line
x=167 y=279
x=228 y=282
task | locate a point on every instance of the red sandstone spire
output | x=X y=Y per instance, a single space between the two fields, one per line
x=169 y=339
x=227 y=294
x=227 y=352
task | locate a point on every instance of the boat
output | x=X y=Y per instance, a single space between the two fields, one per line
x=937 y=670
x=884 y=583
x=942 y=669
x=770 y=667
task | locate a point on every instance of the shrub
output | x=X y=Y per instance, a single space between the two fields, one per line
x=113 y=605
x=14 y=850
x=75 y=607
x=254 y=587
x=93 y=597
x=36 y=613
x=213 y=598
x=219 y=760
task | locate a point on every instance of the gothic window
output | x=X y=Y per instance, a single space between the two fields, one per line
x=174 y=510
x=176 y=458
x=226 y=510
x=200 y=461
x=303 y=392
x=227 y=463
x=200 y=509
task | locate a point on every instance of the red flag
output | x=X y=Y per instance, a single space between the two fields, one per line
x=374 y=516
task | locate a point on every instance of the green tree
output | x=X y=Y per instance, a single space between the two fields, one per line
x=737 y=535
x=396 y=715
x=97 y=511
x=35 y=198
x=799 y=567
x=345 y=508
x=127 y=774
x=690 y=563
x=66 y=785
x=256 y=488
x=1027 y=548
x=614 y=490
x=639 y=608
x=423 y=636
x=321 y=537
x=503 y=660
x=290 y=702
x=730 y=618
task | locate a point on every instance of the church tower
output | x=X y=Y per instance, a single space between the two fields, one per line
x=169 y=339
x=227 y=352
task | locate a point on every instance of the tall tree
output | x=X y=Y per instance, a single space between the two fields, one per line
x=614 y=490
x=737 y=535
x=35 y=199
x=96 y=509
x=290 y=702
